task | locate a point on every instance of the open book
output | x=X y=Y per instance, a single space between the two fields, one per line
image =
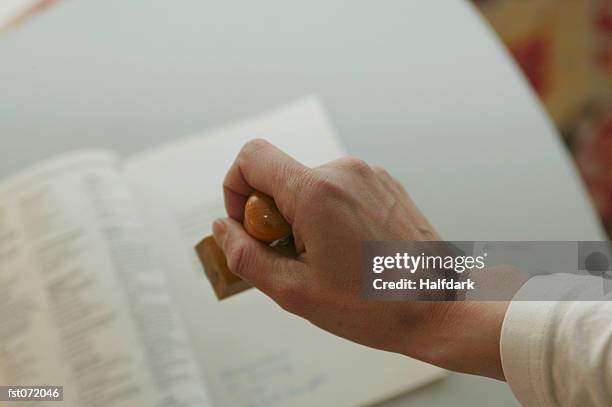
x=101 y=290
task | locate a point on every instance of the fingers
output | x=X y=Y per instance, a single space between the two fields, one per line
x=280 y=277
x=263 y=167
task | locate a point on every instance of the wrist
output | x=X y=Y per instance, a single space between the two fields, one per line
x=463 y=336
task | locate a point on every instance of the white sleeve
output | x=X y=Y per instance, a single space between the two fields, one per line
x=558 y=353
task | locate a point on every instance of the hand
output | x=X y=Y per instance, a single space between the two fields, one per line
x=332 y=209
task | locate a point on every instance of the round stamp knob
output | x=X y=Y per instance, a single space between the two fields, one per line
x=263 y=220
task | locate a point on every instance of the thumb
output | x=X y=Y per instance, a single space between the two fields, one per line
x=256 y=263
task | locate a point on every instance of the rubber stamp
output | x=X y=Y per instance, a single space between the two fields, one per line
x=264 y=222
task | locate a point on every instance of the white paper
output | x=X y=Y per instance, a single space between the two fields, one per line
x=83 y=304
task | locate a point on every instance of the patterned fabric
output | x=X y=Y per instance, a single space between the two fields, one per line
x=565 y=50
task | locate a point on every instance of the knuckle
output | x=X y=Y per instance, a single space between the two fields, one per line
x=381 y=171
x=254 y=145
x=324 y=188
x=427 y=233
x=384 y=175
x=357 y=165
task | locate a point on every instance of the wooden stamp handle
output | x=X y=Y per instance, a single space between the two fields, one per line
x=264 y=222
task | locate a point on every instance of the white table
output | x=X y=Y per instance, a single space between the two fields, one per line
x=423 y=88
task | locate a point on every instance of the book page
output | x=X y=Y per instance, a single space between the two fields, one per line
x=82 y=302
x=251 y=351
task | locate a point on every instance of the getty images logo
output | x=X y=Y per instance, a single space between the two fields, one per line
x=596 y=259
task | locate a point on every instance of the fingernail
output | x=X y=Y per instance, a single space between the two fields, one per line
x=219 y=229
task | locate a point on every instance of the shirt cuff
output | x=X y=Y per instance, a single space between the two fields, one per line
x=522 y=344
x=529 y=350
x=526 y=335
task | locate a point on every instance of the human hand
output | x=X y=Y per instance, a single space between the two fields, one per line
x=332 y=209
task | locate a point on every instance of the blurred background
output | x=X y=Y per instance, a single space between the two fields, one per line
x=564 y=48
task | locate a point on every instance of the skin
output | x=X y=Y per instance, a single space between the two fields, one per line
x=332 y=209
